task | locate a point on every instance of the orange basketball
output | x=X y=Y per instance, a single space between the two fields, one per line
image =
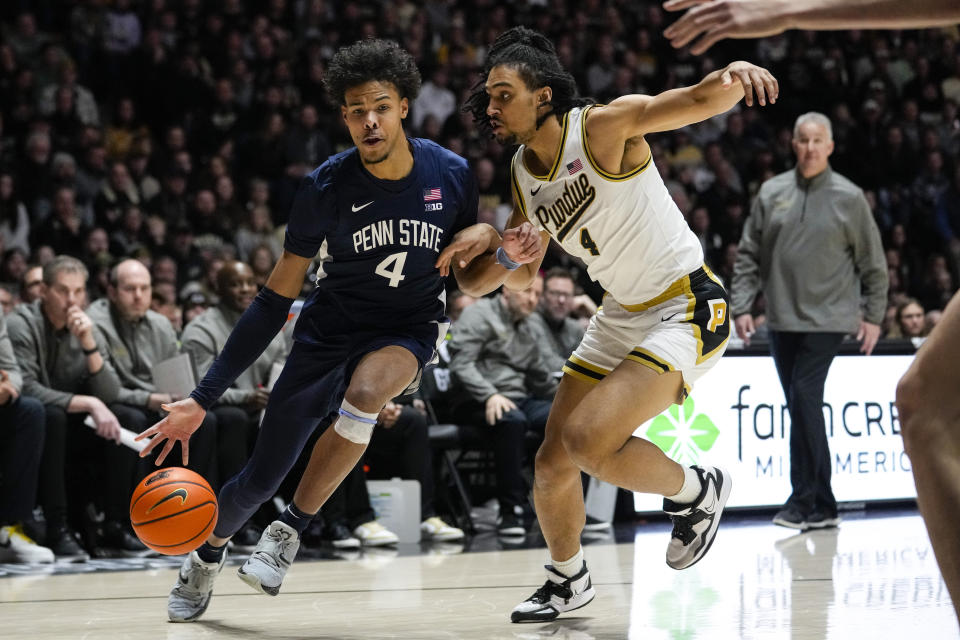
x=173 y=510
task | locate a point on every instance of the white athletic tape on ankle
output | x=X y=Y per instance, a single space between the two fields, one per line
x=355 y=425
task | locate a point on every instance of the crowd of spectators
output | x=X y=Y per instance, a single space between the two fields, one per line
x=175 y=131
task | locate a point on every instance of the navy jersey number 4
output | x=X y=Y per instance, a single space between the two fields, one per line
x=378 y=240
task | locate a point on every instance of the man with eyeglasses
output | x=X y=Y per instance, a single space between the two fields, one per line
x=555 y=314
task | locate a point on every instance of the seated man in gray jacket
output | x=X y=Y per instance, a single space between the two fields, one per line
x=497 y=356
x=239 y=408
x=136 y=339
x=21 y=443
x=64 y=364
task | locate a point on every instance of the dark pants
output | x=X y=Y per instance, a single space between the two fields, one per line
x=508 y=439
x=803 y=360
x=403 y=451
x=21 y=445
x=236 y=434
x=96 y=470
x=350 y=502
x=202 y=442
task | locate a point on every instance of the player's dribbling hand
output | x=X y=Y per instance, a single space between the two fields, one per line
x=753 y=79
x=522 y=244
x=183 y=418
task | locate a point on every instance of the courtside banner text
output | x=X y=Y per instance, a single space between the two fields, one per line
x=736 y=417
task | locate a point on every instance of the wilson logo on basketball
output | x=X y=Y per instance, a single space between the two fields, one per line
x=159 y=475
x=176 y=493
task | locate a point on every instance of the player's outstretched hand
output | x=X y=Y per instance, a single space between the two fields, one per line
x=183 y=419
x=522 y=244
x=753 y=79
x=714 y=20
x=465 y=246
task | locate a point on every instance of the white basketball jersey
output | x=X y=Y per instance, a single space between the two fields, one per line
x=626 y=228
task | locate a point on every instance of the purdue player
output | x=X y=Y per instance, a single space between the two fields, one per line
x=583 y=176
x=377 y=217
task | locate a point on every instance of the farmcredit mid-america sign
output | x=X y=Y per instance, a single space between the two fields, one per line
x=736 y=417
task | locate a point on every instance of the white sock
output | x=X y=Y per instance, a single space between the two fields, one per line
x=691 y=487
x=570 y=567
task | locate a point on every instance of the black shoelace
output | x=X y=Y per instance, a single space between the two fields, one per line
x=683 y=527
x=550 y=588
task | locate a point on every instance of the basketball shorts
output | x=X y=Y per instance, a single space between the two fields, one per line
x=684 y=329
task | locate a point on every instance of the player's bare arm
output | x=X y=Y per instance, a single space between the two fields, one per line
x=185 y=416
x=714 y=20
x=472 y=256
x=632 y=116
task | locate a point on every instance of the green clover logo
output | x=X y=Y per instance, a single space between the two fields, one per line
x=679 y=610
x=682 y=433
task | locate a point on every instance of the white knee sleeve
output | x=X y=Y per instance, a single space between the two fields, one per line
x=355 y=425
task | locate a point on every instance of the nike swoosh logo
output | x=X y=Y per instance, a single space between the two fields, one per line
x=710 y=508
x=534 y=192
x=176 y=493
x=355 y=208
x=669 y=317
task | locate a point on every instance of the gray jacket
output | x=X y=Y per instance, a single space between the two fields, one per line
x=204 y=338
x=813 y=247
x=52 y=362
x=559 y=340
x=492 y=354
x=134 y=348
x=8 y=362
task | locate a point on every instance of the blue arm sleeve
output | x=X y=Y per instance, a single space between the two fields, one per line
x=256 y=328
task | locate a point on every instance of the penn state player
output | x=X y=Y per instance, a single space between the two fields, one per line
x=377 y=216
x=583 y=175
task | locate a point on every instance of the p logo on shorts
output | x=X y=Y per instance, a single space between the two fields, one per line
x=718 y=313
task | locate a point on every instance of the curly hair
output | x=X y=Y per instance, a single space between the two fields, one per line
x=372 y=60
x=534 y=58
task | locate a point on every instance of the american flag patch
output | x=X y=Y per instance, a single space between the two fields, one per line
x=429 y=195
x=574 y=166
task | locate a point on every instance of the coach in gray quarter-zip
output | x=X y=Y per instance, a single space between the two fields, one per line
x=812 y=246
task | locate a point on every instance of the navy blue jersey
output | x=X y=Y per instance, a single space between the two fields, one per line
x=378 y=240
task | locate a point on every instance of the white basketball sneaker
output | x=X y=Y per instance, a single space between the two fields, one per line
x=16 y=546
x=436 y=530
x=265 y=568
x=191 y=595
x=558 y=594
x=374 y=534
x=695 y=524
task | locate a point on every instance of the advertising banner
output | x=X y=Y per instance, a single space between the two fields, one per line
x=736 y=418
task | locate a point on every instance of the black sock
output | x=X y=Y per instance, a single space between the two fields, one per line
x=210 y=553
x=295 y=518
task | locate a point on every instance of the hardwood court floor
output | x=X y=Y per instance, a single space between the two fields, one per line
x=875 y=577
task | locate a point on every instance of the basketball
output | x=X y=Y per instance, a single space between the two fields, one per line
x=173 y=510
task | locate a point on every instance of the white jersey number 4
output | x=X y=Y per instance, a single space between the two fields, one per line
x=391 y=268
